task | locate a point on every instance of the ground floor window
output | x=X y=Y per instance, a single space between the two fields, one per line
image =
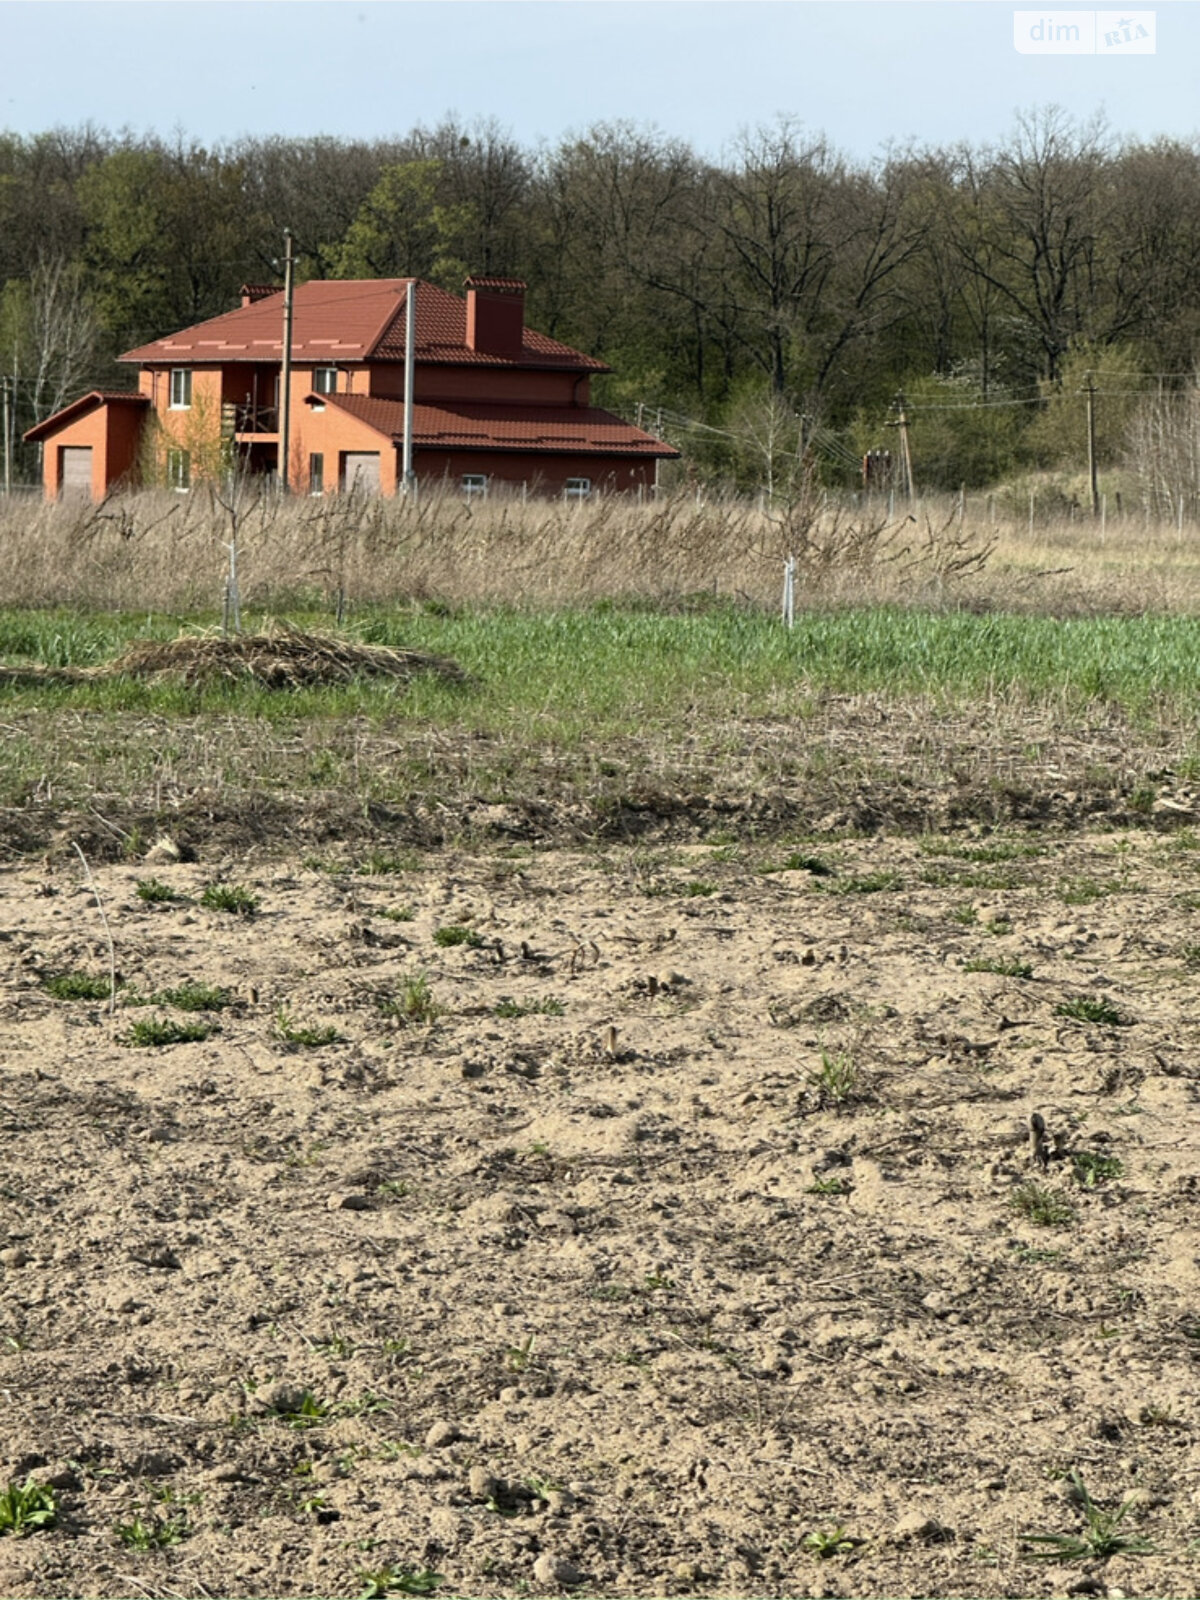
x=316 y=474
x=474 y=485
x=577 y=488
x=179 y=470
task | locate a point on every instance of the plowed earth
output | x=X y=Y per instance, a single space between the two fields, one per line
x=497 y=1294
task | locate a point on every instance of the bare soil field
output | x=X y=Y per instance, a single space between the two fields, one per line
x=620 y=1221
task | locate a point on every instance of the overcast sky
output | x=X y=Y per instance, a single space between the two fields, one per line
x=866 y=72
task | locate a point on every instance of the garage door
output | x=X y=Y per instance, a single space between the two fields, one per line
x=360 y=472
x=75 y=469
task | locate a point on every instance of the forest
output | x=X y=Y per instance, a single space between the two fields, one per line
x=762 y=310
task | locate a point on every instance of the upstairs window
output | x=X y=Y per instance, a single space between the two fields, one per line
x=325 y=380
x=577 y=488
x=474 y=485
x=181 y=388
x=179 y=470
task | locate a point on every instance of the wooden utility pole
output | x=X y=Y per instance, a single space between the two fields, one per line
x=285 y=373
x=408 y=476
x=901 y=421
x=1091 y=425
x=4 y=394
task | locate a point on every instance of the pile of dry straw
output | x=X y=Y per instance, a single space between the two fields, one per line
x=282 y=658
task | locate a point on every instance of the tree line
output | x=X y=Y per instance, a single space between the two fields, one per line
x=781 y=284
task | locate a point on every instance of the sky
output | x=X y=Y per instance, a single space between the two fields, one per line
x=867 y=73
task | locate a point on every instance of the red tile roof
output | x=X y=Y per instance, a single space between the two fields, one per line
x=348 y=320
x=97 y=397
x=583 y=430
x=477 y=282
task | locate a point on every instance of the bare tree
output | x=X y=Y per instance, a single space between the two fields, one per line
x=49 y=335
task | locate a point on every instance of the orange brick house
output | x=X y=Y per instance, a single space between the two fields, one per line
x=494 y=402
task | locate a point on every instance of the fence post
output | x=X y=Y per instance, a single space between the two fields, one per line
x=789 y=592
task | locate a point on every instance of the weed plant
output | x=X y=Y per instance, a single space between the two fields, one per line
x=827 y=1542
x=800 y=861
x=547 y=1006
x=386 y=1581
x=27 y=1508
x=1098 y=1011
x=291 y=1033
x=189 y=997
x=151 y=1532
x=413 y=1003
x=230 y=897
x=836 y=1081
x=76 y=986
x=1042 y=1206
x=1012 y=968
x=1100 y=1537
x=1091 y=1170
x=454 y=934
x=828 y=1186
x=156 y=893
x=149 y=1033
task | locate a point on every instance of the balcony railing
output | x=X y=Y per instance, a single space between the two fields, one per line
x=249 y=419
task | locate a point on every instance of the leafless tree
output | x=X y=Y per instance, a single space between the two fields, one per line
x=62 y=333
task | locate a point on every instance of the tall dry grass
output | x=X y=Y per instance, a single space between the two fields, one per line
x=162 y=552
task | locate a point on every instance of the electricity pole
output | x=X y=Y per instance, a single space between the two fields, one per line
x=285 y=375
x=4 y=394
x=1091 y=427
x=901 y=422
x=409 y=477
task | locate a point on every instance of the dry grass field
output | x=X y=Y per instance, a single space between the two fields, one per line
x=169 y=553
x=567 y=1129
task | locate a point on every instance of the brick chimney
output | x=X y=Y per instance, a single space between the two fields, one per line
x=251 y=292
x=495 y=316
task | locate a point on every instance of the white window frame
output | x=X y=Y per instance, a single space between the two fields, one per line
x=474 y=485
x=577 y=489
x=324 y=380
x=179 y=470
x=181 y=385
x=316 y=455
